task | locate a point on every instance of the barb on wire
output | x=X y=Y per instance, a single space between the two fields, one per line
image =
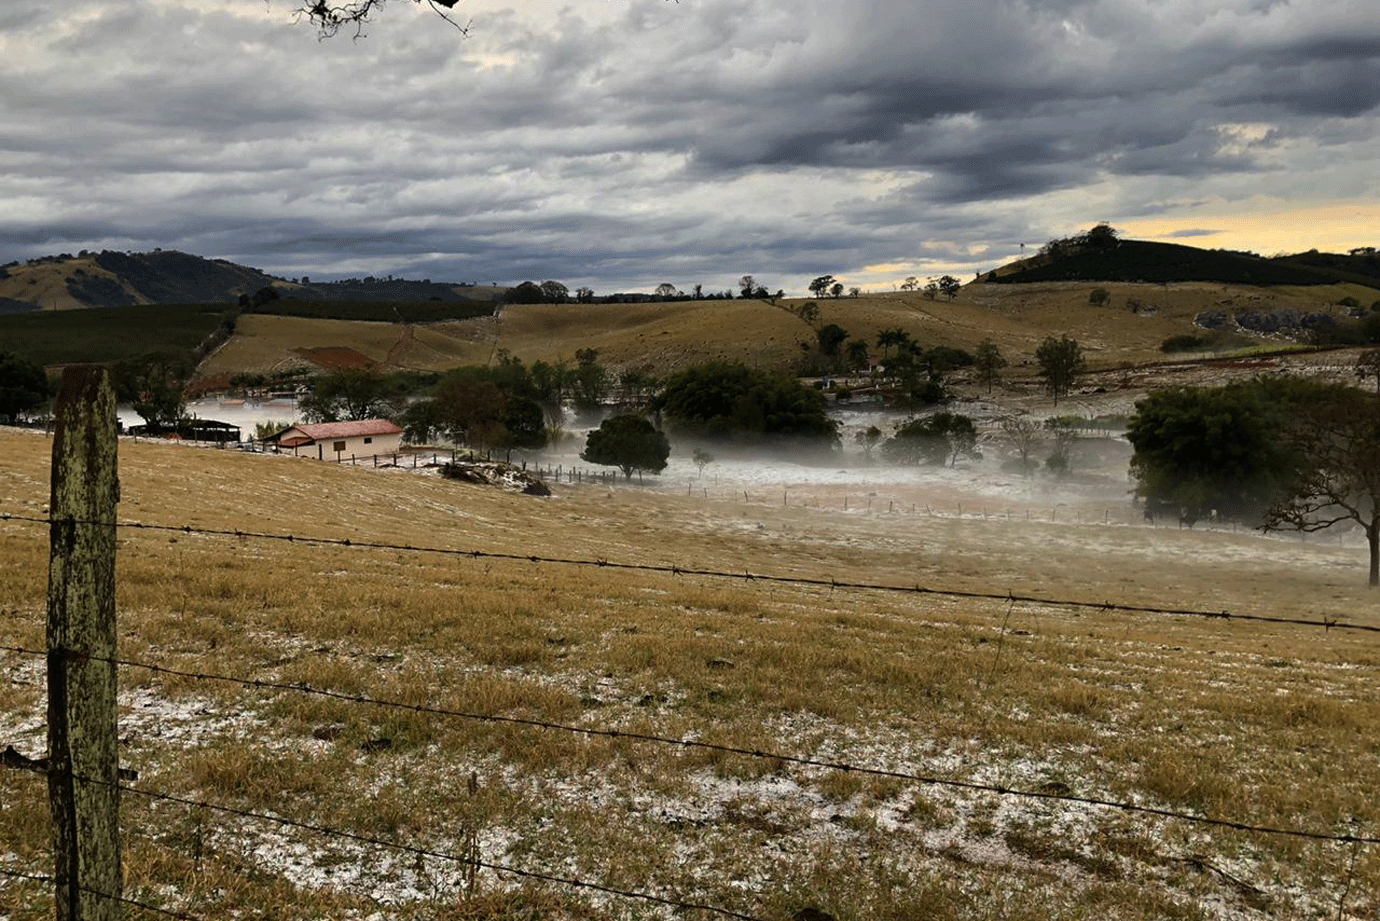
x=676 y=570
x=601 y=732
x=31 y=877
x=425 y=852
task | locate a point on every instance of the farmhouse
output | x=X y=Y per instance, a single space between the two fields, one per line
x=338 y=441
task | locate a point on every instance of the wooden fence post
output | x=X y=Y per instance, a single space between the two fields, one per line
x=82 y=719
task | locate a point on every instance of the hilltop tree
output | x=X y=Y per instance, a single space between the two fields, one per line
x=1061 y=361
x=665 y=289
x=931 y=290
x=987 y=363
x=553 y=292
x=23 y=385
x=750 y=288
x=949 y=286
x=628 y=442
x=821 y=285
x=910 y=284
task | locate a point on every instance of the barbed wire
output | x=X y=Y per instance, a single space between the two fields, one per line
x=1326 y=623
x=695 y=744
x=421 y=851
x=51 y=880
x=31 y=877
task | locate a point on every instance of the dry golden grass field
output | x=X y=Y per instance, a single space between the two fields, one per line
x=1265 y=724
x=665 y=337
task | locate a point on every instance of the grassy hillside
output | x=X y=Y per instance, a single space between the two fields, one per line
x=107 y=335
x=662 y=337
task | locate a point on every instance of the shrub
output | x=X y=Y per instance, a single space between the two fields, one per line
x=1184 y=342
x=1099 y=296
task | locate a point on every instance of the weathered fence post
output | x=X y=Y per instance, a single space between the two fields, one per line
x=82 y=723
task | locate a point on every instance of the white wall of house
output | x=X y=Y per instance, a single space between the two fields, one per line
x=361 y=446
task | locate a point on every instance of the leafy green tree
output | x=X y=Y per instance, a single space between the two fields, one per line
x=1199 y=451
x=628 y=442
x=722 y=400
x=482 y=407
x=856 y=350
x=938 y=439
x=931 y=290
x=987 y=363
x=949 y=286
x=893 y=338
x=23 y=385
x=836 y=290
x=351 y=394
x=590 y=381
x=830 y=339
x=1061 y=361
x=155 y=386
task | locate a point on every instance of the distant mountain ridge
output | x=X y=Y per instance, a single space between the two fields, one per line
x=116 y=279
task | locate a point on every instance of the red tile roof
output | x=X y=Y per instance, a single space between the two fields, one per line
x=322 y=430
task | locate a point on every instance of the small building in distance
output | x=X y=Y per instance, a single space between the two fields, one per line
x=338 y=441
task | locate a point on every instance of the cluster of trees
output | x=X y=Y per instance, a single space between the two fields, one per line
x=729 y=401
x=1282 y=453
x=947 y=285
x=1099 y=237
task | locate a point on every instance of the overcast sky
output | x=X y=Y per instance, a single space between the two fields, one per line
x=624 y=143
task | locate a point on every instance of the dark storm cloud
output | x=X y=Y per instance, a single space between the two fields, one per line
x=618 y=142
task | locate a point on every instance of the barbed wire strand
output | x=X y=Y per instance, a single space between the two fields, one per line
x=676 y=570
x=33 y=878
x=50 y=880
x=421 y=851
x=600 y=732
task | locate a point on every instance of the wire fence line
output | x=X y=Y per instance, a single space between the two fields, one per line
x=1355 y=840
x=696 y=744
x=421 y=851
x=1327 y=623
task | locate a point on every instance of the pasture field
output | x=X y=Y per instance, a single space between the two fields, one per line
x=665 y=337
x=1263 y=724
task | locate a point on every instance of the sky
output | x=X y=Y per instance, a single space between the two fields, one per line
x=620 y=144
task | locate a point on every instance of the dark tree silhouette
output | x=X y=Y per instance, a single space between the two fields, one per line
x=629 y=443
